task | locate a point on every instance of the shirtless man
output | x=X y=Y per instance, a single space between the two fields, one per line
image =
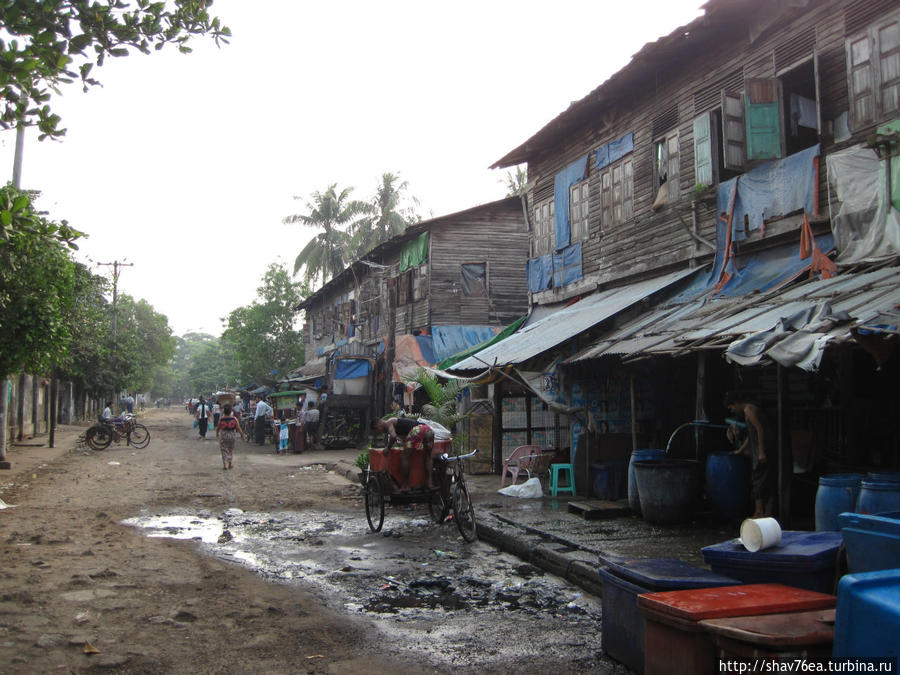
x=757 y=444
x=415 y=436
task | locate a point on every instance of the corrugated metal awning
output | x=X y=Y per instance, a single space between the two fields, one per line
x=568 y=322
x=790 y=326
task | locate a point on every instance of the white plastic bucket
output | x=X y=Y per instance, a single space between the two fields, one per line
x=760 y=533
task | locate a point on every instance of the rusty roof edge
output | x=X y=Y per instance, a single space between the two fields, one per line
x=716 y=14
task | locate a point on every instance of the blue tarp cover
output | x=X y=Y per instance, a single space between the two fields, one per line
x=565 y=179
x=450 y=340
x=554 y=269
x=614 y=150
x=773 y=189
x=347 y=369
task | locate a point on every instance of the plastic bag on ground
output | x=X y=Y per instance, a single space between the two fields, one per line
x=530 y=489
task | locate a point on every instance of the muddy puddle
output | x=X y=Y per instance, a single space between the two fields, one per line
x=456 y=603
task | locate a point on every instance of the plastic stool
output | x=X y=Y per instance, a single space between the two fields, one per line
x=569 y=471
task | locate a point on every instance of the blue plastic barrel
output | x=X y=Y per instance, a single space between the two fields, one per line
x=878 y=496
x=634 y=501
x=728 y=485
x=837 y=493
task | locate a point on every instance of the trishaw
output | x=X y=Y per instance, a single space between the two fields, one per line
x=383 y=479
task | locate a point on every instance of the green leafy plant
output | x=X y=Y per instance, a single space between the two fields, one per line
x=362 y=460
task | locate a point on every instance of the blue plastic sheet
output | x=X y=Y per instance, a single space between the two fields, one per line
x=567 y=265
x=565 y=179
x=773 y=189
x=347 y=369
x=615 y=150
x=450 y=340
x=540 y=273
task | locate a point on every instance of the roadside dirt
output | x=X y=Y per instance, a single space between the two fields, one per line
x=81 y=592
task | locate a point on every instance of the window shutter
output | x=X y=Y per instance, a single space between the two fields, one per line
x=889 y=66
x=733 y=130
x=862 y=90
x=703 y=167
x=763 y=119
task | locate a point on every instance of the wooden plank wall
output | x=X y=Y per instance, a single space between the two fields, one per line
x=653 y=241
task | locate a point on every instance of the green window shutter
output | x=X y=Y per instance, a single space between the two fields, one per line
x=763 y=119
x=703 y=167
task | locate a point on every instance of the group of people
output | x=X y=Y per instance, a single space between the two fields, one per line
x=225 y=419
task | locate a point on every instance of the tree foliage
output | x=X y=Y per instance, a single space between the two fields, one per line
x=333 y=213
x=53 y=42
x=387 y=216
x=262 y=334
x=516 y=183
x=37 y=285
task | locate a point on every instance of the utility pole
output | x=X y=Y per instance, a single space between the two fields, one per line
x=115 y=265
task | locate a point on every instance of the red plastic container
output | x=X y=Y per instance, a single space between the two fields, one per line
x=379 y=460
x=675 y=640
x=782 y=637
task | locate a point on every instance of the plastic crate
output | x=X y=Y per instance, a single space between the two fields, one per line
x=868 y=615
x=872 y=542
x=802 y=559
x=623 y=581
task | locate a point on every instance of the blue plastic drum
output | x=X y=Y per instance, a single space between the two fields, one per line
x=728 y=485
x=837 y=494
x=878 y=496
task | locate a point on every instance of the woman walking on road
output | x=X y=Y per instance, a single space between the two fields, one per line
x=226 y=429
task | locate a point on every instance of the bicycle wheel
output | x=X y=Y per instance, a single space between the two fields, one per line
x=374 y=503
x=98 y=437
x=437 y=506
x=464 y=512
x=139 y=437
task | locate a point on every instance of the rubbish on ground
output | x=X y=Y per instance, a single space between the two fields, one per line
x=530 y=489
x=114 y=463
x=4 y=505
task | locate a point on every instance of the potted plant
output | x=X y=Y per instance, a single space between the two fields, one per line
x=362 y=463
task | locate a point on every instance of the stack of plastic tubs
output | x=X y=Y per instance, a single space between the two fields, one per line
x=868 y=615
x=802 y=559
x=678 y=643
x=623 y=581
x=872 y=542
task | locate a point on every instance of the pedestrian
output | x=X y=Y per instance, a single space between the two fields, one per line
x=129 y=403
x=217 y=412
x=282 y=436
x=226 y=428
x=312 y=425
x=259 y=421
x=299 y=428
x=761 y=446
x=203 y=413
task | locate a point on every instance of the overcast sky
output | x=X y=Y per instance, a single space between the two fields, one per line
x=185 y=165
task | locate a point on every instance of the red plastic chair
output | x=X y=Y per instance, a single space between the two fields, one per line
x=521 y=459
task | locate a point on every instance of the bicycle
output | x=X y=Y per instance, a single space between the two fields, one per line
x=451 y=493
x=100 y=435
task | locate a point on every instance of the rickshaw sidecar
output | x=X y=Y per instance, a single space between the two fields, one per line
x=390 y=462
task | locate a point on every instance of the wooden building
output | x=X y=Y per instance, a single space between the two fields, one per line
x=713 y=167
x=444 y=285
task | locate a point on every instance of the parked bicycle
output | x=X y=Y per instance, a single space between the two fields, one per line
x=101 y=435
x=449 y=494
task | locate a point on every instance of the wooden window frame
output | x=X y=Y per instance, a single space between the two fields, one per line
x=670 y=139
x=617 y=193
x=579 y=210
x=544 y=226
x=873 y=35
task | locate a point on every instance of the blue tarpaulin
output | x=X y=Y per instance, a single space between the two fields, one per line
x=773 y=189
x=614 y=151
x=347 y=369
x=564 y=180
x=554 y=269
x=450 y=340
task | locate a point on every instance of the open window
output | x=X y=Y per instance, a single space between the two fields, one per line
x=666 y=165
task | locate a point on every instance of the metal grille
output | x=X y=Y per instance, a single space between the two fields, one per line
x=794 y=50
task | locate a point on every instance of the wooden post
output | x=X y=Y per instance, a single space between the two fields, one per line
x=633 y=416
x=780 y=383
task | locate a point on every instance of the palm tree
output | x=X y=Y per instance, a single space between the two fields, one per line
x=386 y=218
x=333 y=213
x=516 y=183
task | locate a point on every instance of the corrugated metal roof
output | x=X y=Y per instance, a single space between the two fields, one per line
x=868 y=298
x=558 y=327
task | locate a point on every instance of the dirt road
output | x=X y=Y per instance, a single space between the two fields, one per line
x=81 y=592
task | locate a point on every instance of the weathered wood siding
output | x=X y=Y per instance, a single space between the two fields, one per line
x=682 y=89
